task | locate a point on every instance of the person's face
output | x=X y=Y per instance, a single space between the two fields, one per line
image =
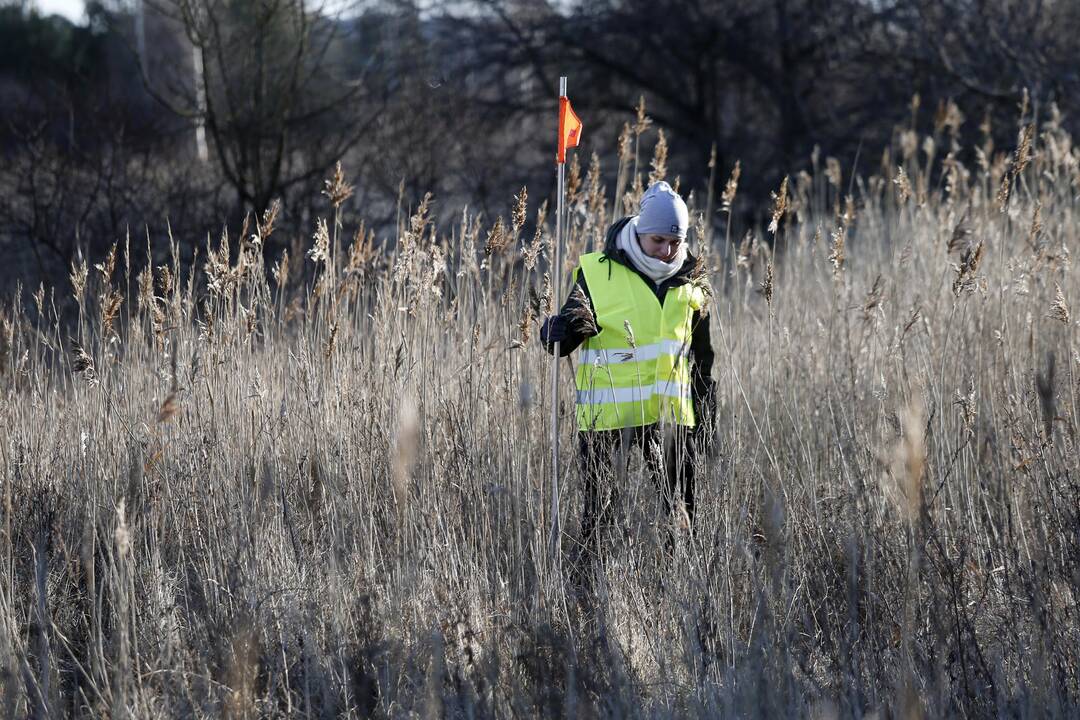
x=661 y=247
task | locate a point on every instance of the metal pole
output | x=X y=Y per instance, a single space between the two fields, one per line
x=556 y=280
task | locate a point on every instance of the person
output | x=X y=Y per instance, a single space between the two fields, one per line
x=637 y=311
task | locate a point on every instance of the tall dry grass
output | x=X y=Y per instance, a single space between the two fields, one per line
x=323 y=490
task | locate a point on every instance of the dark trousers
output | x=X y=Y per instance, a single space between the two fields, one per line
x=605 y=454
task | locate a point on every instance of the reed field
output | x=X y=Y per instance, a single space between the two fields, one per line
x=319 y=483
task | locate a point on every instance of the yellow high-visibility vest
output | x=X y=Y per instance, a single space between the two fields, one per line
x=629 y=382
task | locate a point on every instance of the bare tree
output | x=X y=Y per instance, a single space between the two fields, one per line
x=993 y=50
x=764 y=81
x=271 y=85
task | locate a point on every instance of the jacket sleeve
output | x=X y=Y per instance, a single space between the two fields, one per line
x=703 y=389
x=566 y=327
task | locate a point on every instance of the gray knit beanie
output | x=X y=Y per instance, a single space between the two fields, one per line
x=663 y=212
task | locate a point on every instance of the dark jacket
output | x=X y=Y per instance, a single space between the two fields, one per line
x=570 y=335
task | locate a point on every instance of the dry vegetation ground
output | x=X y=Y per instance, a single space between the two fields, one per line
x=326 y=492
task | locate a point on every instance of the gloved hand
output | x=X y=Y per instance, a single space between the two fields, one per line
x=554 y=330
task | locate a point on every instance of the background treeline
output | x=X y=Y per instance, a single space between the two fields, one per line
x=176 y=115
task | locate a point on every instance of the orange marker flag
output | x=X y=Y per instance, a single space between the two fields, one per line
x=569 y=128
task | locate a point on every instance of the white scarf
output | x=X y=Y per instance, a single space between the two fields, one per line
x=657 y=270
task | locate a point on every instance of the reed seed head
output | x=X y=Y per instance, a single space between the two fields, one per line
x=766 y=288
x=659 y=159
x=582 y=317
x=270 y=216
x=517 y=217
x=336 y=188
x=909 y=458
x=624 y=143
x=320 y=248
x=727 y=198
x=836 y=249
x=497 y=238
x=1024 y=149
x=643 y=121
x=780 y=206
x=1059 y=310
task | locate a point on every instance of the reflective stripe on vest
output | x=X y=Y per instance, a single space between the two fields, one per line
x=633 y=394
x=625 y=381
x=638 y=354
